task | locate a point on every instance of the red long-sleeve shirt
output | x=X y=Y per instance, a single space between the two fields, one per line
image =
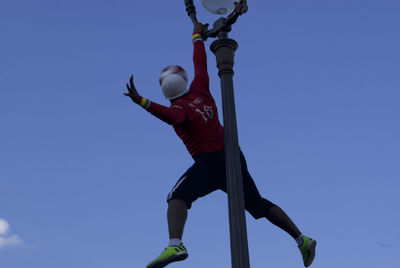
x=194 y=116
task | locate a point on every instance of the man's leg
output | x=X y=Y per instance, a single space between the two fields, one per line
x=197 y=181
x=176 y=215
x=264 y=208
x=176 y=251
x=306 y=245
x=260 y=207
x=278 y=217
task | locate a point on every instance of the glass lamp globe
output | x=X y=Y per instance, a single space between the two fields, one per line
x=219 y=7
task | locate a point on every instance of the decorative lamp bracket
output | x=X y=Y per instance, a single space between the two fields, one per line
x=222 y=25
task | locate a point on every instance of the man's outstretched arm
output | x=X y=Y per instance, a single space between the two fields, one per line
x=173 y=116
x=201 y=79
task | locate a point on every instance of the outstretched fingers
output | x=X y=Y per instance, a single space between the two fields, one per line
x=132 y=92
x=131 y=82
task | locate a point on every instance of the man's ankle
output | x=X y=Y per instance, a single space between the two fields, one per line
x=174 y=242
x=299 y=240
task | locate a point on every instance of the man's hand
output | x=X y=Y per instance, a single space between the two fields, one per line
x=132 y=92
x=198 y=28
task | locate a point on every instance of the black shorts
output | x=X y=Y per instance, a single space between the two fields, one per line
x=208 y=174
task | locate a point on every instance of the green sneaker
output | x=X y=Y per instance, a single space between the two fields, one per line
x=308 y=250
x=170 y=254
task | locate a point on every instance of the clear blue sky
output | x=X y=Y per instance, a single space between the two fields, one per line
x=84 y=173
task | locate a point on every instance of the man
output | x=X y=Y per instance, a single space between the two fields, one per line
x=194 y=117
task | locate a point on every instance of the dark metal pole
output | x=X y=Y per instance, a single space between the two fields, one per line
x=224 y=50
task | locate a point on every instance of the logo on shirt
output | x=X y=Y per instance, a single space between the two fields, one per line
x=207 y=113
x=195 y=102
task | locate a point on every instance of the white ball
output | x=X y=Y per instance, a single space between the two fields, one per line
x=173 y=69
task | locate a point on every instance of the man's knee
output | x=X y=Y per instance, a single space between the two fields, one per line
x=177 y=203
x=259 y=209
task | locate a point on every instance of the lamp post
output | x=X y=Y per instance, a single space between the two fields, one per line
x=224 y=49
